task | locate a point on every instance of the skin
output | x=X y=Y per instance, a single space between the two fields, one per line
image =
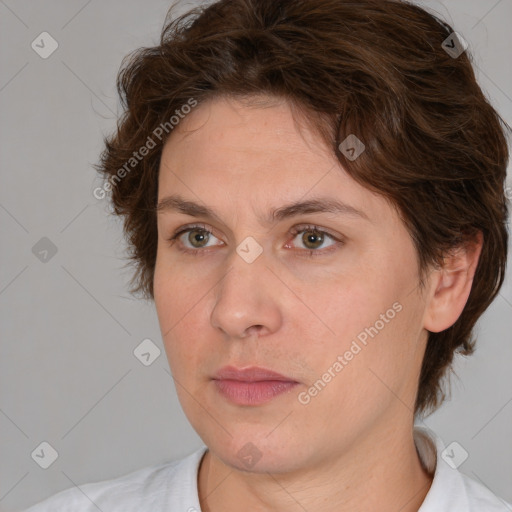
x=351 y=447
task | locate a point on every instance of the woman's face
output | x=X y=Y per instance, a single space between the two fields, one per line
x=329 y=299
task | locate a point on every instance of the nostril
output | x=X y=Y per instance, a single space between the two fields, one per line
x=253 y=330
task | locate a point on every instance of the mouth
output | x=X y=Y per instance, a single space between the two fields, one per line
x=251 y=386
x=251 y=374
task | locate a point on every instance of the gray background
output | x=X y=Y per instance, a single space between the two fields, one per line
x=68 y=326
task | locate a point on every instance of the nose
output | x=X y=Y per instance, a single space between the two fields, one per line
x=247 y=300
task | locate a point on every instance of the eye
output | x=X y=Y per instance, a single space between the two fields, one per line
x=194 y=239
x=313 y=238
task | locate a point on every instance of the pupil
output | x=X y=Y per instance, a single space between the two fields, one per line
x=311 y=238
x=198 y=237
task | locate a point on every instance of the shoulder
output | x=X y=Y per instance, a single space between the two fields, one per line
x=480 y=498
x=451 y=490
x=167 y=486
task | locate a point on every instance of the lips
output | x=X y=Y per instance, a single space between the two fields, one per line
x=251 y=374
x=252 y=386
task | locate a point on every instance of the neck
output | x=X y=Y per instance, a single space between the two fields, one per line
x=380 y=471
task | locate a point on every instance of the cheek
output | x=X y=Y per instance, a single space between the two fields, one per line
x=349 y=305
x=374 y=323
x=176 y=304
x=175 y=290
x=182 y=300
x=362 y=371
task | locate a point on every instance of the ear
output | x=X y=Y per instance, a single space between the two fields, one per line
x=451 y=284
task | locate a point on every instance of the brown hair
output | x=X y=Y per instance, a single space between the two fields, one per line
x=435 y=147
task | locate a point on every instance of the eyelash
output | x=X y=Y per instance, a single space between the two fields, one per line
x=293 y=232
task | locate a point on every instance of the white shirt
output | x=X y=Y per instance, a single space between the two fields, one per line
x=172 y=487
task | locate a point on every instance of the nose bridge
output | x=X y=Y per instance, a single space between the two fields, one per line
x=247 y=269
x=245 y=297
x=247 y=264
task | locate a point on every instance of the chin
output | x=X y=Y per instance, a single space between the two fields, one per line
x=259 y=453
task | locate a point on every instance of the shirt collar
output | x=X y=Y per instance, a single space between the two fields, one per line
x=447 y=491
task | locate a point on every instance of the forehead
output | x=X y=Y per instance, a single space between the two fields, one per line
x=259 y=152
x=251 y=124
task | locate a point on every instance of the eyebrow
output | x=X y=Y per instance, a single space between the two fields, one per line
x=176 y=203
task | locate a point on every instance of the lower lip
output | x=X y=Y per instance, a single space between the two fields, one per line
x=252 y=393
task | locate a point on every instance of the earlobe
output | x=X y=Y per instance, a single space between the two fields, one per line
x=451 y=285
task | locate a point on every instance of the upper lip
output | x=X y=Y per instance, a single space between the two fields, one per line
x=251 y=374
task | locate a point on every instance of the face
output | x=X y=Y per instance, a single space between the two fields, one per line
x=328 y=298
